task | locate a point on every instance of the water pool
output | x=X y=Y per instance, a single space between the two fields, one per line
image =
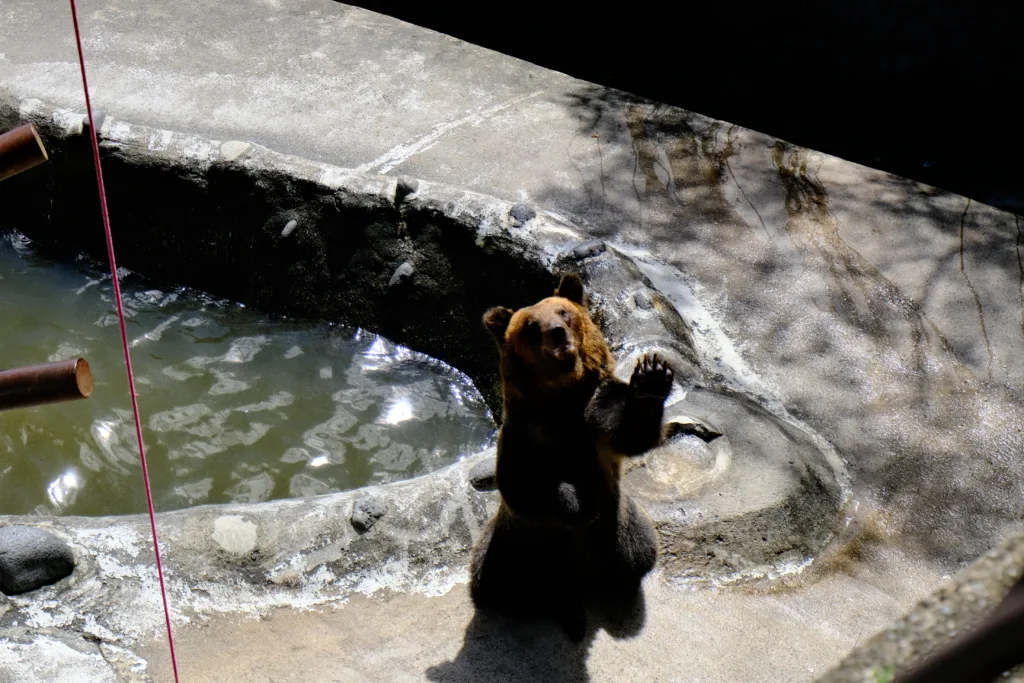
x=237 y=406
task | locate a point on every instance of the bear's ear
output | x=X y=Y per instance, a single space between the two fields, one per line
x=496 y=321
x=571 y=288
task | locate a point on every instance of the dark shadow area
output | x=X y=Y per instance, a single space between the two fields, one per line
x=923 y=90
x=505 y=649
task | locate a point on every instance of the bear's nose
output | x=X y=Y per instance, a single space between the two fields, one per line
x=557 y=335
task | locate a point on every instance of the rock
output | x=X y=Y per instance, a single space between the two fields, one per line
x=366 y=512
x=98 y=117
x=522 y=214
x=484 y=475
x=588 y=249
x=402 y=275
x=235 y=534
x=642 y=300
x=31 y=558
x=232 y=149
x=406 y=186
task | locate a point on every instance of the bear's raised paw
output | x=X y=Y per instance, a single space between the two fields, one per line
x=652 y=377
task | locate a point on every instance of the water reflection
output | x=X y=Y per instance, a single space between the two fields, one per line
x=400 y=411
x=236 y=407
x=63 y=490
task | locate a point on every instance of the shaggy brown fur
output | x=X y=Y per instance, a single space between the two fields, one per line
x=564 y=527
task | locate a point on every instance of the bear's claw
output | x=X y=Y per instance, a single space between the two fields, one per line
x=652 y=377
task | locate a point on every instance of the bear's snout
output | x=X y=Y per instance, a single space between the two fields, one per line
x=558 y=335
x=559 y=343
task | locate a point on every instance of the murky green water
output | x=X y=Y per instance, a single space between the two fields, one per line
x=235 y=406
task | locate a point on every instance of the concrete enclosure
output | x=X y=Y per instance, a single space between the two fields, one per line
x=846 y=431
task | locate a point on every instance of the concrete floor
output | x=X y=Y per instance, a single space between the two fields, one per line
x=787 y=634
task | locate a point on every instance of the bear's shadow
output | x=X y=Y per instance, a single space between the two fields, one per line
x=505 y=649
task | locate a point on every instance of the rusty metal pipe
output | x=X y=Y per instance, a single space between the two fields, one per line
x=20 y=150
x=35 y=385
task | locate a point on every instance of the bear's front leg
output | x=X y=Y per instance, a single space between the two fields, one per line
x=629 y=416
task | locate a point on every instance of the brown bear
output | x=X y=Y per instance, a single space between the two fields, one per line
x=564 y=528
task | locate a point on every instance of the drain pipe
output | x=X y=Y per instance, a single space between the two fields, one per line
x=65 y=380
x=20 y=150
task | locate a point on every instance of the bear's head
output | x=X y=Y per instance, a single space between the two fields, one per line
x=551 y=345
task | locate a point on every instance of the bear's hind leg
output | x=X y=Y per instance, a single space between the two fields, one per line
x=637 y=542
x=491 y=576
x=526 y=575
x=509 y=570
x=623 y=555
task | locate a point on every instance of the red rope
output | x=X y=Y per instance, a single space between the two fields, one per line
x=94 y=137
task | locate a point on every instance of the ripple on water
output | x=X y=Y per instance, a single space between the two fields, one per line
x=237 y=407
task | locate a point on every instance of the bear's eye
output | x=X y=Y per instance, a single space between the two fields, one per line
x=532 y=332
x=565 y=315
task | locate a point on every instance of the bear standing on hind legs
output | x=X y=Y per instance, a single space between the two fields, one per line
x=564 y=528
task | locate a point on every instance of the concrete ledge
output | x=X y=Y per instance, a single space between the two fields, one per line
x=957 y=606
x=250 y=558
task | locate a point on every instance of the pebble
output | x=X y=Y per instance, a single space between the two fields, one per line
x=522 y=214
x=98 y=117
x=484 y=475
x=589 y=249
x=402 y=275
x=366 y=512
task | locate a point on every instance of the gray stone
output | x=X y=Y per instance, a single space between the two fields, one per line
x=608 y=273
x=233 y=149
x=589 y=249
x=367 y=511
x=235 y=534
x=31 y=558
x=98 y=117
x=522 y=214
x=763 y=491
x=402 y=275
x=642 y=300
x=484 y=476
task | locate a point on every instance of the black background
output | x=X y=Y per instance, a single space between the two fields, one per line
x=927 y=90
